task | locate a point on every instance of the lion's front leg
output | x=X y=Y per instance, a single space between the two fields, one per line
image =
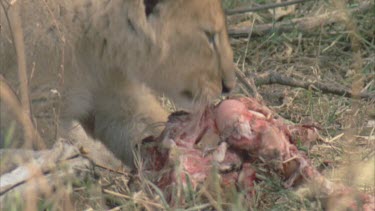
x=125 y=118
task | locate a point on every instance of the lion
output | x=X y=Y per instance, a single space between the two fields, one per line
x=115 y=57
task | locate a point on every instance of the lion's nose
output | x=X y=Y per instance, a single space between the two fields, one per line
x=227 y=87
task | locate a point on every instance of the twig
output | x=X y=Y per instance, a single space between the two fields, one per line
x=212 y=201
x=17 y=33
x=132 y=198
x=263 y=7
x=299 y=24
x=8 y=96
x=248 y=83
x=272 y=77
x=14 y=20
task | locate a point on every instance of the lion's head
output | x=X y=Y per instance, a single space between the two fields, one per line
x=197 y=61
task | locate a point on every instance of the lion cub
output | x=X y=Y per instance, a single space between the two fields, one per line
x=119 y=53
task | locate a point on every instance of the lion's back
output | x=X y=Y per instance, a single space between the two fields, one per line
x=58 y=37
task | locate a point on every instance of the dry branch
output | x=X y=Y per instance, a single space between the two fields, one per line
x=272 y=77
x=12 y=158
x=22 y=171
x=299 y=24
x=263 y=7
x=44 y=164
x=46 y=173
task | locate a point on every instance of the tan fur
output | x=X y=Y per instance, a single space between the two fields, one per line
x=113 y=55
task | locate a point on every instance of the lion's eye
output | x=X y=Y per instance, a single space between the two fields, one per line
x=211 y=36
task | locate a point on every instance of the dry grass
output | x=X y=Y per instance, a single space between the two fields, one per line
x=342 y=53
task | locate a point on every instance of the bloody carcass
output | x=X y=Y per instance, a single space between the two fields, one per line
x=234 y=137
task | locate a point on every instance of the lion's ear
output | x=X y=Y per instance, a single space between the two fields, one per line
x=150 y=5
